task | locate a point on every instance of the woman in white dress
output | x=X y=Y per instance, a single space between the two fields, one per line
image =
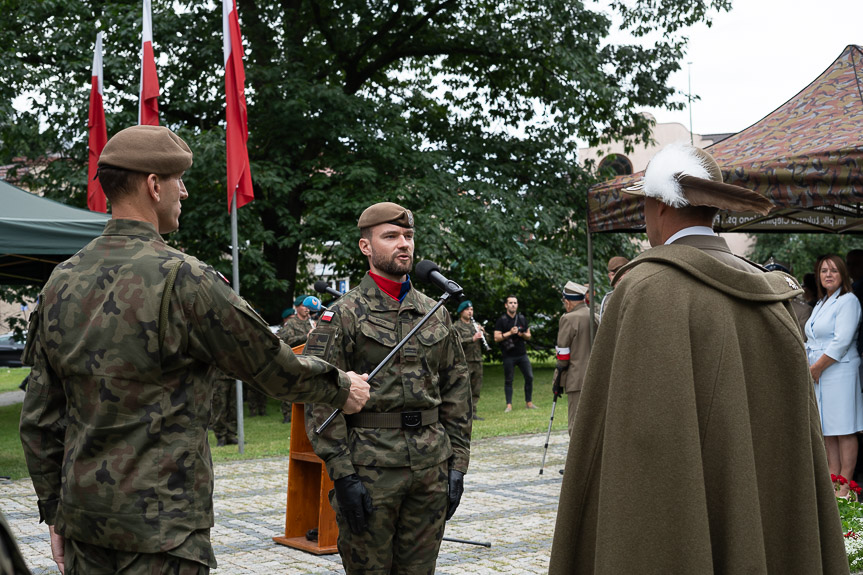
x=831 y=345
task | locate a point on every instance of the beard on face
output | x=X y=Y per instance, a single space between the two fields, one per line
x=392 y=266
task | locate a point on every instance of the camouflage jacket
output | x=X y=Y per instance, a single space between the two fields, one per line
x=429 y=371
x=295 y=331
x=114 y=428
x=472 y=348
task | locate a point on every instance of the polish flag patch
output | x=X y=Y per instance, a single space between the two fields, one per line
x=327 y=316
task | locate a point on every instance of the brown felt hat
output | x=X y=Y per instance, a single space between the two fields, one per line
x=147 y=149
x=616 y=263
x=682 y=175
x=386 y=213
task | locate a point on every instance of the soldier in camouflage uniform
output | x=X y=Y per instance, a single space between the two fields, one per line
x=114 y=422
x=224 y=422
x=470 y=336
x=398 y=466
x=294 y=332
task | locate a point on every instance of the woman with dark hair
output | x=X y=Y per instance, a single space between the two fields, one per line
x=831 y=345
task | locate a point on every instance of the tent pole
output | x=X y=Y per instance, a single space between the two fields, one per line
x=235 y=270
x=591 y=284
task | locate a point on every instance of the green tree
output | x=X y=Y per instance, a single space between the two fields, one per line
x=466 y=112
x=801 y=251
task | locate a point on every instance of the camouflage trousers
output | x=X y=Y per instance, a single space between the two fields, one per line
x=257 y=402
x=224 y=417
x=475 y=371
x=286 y=411
x=406 y=526
x=86 y=559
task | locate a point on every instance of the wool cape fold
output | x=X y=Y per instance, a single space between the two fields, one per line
x=697 y=447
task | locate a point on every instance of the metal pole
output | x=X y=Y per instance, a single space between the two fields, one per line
x=689 y=72
x=548 y=435
x=591 y=285
x=235 y=270
x=390 y=355
x=454 y=540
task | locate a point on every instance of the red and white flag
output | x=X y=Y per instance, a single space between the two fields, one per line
x=148 y=105
x=239 y=175
x=97 y=133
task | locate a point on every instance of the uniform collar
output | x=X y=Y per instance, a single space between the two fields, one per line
x=690 y=231
x=121 y=227
x=380 y=301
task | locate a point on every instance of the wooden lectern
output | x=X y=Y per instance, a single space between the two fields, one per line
x=309 y=485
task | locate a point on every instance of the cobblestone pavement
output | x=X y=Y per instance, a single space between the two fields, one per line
x=506 y=503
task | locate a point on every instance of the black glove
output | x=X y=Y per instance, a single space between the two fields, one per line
x=455 y=487
x=555 y=384
x=354 y=500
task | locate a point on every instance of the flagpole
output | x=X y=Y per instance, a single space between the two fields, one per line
x=235 y=270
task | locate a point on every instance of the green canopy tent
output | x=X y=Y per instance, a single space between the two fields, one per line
x=37 y=233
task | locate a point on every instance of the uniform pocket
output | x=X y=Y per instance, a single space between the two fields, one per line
x=431 y=334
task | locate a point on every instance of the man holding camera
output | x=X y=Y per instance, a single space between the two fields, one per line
x=511 y=331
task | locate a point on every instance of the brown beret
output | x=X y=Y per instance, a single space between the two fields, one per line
x=616 y=263
x=386 y=213
x=147 y=149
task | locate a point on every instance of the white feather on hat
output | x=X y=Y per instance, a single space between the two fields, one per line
x=661 y=177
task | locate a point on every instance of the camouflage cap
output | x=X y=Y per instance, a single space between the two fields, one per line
x=147 y=149
x=386 y=213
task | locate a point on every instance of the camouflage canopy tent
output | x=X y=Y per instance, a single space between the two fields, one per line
x=806 y=156
x=37 y=233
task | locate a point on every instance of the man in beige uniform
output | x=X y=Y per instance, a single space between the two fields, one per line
x=573 y=346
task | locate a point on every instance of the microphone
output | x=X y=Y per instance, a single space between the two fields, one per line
x=428 y=271
x=323 y=287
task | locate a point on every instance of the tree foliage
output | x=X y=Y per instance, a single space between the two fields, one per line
x=468 y=113
x=801 y=251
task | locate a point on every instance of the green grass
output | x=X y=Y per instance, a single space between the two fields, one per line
x=11 y=377
x=267 y=437
x=11 y=454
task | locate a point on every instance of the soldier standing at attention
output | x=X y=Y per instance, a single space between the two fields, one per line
x=398 y=465
x=224 y=422
x=114 y=422
x=294 y=332
x=470 y=335
x=573 y=346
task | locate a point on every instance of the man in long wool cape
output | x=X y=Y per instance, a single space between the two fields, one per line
x=697 y=447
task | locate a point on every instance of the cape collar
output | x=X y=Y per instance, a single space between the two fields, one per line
x=768 y=286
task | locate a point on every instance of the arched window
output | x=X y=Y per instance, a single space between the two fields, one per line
x=616 y=164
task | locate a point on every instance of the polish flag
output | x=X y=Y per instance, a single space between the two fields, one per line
x=148 y=106
x=239 y=176
x=97 y=133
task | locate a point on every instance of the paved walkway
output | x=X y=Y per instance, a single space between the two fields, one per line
x=11 y=397
x=506 y=503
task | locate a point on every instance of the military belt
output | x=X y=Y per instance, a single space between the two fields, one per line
x=403 y=420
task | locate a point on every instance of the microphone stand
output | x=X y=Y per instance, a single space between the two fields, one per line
x=390 y=355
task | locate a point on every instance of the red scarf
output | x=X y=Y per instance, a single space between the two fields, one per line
x=396 y=290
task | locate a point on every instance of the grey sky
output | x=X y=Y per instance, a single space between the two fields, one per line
x=757 y=56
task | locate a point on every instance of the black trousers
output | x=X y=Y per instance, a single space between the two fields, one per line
x=523 y=364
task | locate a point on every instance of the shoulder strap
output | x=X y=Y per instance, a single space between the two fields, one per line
x=166 y=300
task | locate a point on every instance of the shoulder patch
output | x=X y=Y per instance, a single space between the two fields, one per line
x=223 y=277
x=327 y=316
